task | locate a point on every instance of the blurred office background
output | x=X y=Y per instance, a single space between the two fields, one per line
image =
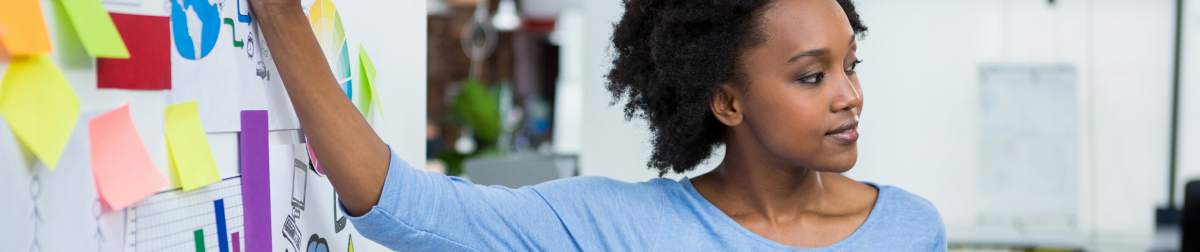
x=1030 y=124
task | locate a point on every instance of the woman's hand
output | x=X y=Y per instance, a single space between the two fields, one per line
x=352 y=155
x=263 y=8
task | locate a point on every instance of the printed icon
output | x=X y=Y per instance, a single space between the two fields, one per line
x=291 y=231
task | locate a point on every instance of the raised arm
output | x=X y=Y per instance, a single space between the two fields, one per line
x=422 y=211
x=352 y=155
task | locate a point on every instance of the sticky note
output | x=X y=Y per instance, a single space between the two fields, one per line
x=148 y=67
x=121 y=166
x=313 y=157
x=364 y=91
x=174 y=173
x=39 y=106
x=367 y=74
x=22 y=28
x=256 y=180
x=194 y=162
x=95 y=29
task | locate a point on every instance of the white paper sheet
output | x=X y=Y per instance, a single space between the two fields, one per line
x=232 y=77
x=124 y=2
x=167 y=221
x=55 y=211
x=303 y=206
x=1028 y=150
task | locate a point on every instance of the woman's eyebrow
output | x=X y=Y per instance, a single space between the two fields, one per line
x=813 y=53
x=809 y=53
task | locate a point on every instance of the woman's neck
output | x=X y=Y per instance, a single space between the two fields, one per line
x=750 y=183
x=779 y=200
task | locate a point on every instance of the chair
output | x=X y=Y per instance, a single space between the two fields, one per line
x=1189 y=227
x=519 y=170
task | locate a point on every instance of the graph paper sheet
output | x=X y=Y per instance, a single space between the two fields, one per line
x=170 y=221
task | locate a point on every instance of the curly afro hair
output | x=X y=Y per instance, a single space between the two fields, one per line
x=671 y=58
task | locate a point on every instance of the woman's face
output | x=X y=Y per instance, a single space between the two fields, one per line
x=803 y=99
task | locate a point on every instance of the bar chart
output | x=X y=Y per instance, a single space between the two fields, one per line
x=208 y=219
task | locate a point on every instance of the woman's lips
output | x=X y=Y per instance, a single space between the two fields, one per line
x=847 y=133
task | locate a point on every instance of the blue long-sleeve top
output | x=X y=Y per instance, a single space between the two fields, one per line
x=425 y=211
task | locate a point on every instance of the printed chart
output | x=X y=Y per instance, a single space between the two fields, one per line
x=205 y=219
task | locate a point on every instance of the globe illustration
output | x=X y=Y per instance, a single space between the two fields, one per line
x=195 y=25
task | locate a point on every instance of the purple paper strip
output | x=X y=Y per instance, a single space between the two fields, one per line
x=256 y=181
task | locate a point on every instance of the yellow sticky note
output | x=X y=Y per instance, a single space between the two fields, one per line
x=95 y=28
x=22 y=29
x=39 y=106
x=367 y=75
x=194 y=162
x=174 y=173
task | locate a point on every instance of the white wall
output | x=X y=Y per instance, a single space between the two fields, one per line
x=920 y=126
x=1132 y=78
x=919 y=122
x=394 y=34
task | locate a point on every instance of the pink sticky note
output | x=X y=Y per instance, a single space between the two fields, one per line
x=314 y=160
x=121 y=167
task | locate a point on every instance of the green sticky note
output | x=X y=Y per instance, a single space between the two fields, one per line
x=95 y=29
x=193 y=159
x=39 y=106
x=367 y=75
x=363 y=89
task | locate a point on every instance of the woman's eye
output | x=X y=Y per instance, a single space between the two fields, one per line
x=853 y=65
x=812 y=78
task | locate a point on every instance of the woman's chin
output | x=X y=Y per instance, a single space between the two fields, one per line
x=837 y=163
x=836 y=169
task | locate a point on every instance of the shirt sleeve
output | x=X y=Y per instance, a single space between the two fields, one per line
x=940 y=242
x=427 y=211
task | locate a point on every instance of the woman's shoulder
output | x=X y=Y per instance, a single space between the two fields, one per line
x=595 y=189
x=904 y=211
x=900 y=220
x=624 y=207
x=905 y=203
x=596 y=184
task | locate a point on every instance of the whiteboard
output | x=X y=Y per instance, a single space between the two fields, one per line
x=393 y=32
x=1028 y=145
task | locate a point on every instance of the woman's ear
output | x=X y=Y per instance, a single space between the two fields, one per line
x=726 y=105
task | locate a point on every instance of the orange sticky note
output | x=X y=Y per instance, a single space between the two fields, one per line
x=22 y=29
x=121 y=167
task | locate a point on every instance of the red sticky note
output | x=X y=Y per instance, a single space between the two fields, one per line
x=148 y=67
x=121 y=167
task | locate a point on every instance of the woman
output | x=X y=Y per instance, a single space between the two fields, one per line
x=772 y=80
